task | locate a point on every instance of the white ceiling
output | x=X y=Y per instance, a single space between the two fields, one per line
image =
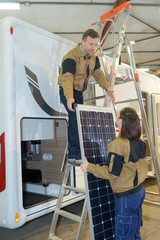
x=70 y=19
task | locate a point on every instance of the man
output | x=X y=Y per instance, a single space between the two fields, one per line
x=77 y=67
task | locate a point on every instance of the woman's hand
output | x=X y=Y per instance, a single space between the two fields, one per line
x=84 y=165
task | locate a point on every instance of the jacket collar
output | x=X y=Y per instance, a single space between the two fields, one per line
x=80 y=53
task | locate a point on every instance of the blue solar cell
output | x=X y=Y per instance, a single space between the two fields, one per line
x=98 y=130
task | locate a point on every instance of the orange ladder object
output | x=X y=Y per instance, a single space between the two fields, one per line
x=117 y=10
x=114 y=12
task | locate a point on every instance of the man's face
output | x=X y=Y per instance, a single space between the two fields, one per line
x=90 y=45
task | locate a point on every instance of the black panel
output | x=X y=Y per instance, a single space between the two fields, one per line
x=97 y=131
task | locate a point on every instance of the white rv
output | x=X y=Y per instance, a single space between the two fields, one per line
x=33 y=122
x=126 y=96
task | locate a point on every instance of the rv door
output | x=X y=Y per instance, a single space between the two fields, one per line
x=156 y=122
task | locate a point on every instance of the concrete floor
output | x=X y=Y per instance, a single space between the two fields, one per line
x=38 y=229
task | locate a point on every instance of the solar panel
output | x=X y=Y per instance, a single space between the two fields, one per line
x=96 y=130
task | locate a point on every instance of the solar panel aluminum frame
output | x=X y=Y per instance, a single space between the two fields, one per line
x=95 y=109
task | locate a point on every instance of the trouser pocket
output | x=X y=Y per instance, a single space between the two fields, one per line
x=123 y=226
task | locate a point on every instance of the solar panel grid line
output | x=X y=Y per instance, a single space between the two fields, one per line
x=96 y=130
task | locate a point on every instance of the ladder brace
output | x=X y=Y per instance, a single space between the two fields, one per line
x=125 y=7
x=58 y=212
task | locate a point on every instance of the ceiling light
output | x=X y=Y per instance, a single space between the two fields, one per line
x=7 y=6
x=144 y=69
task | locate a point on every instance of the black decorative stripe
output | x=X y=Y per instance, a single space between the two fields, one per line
x=87 y=71
x=86 y=80
x=138 y=150
x=97 y=65
x=115 y=163
x=69 y=65
x=129 y=192
x=39 y=99
x=86 y=57
x=135 y=182
x=31 y=74
x=33 y=82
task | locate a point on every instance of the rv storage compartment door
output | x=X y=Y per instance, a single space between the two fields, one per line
x=43 y=145
x=156 y=122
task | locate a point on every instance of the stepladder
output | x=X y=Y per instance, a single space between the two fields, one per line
x=120 y=42
x=60 y=212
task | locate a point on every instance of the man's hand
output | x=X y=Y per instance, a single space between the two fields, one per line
x=110 y=92
x=70 y=101
x=84 y=165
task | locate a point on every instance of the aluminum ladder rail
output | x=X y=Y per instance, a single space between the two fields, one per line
x=58 y=212
x=142 y=108
x=135 y=77
x=112 y=16
x=117 y=52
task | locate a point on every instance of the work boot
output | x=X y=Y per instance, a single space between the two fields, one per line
x=78 y=162
x=71 y=160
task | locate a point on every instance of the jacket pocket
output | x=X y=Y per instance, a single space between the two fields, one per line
x=123 y=226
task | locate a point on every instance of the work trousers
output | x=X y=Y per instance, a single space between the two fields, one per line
x=128 y=216
x=73 y=137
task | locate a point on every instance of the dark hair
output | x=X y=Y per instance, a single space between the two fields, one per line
x=90 y=33
x=131 y=127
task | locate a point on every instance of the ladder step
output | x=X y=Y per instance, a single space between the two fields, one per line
x=80 y=190
x=129 y=100
x=54 y=237
x=69 y=215
x=58 y=212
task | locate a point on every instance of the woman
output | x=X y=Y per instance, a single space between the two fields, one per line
x=126 y=170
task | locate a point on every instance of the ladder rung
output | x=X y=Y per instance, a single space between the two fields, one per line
x=69 y=215
x=80 y=190
x=94 y=98
x=54 y=237
x=128 y=100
